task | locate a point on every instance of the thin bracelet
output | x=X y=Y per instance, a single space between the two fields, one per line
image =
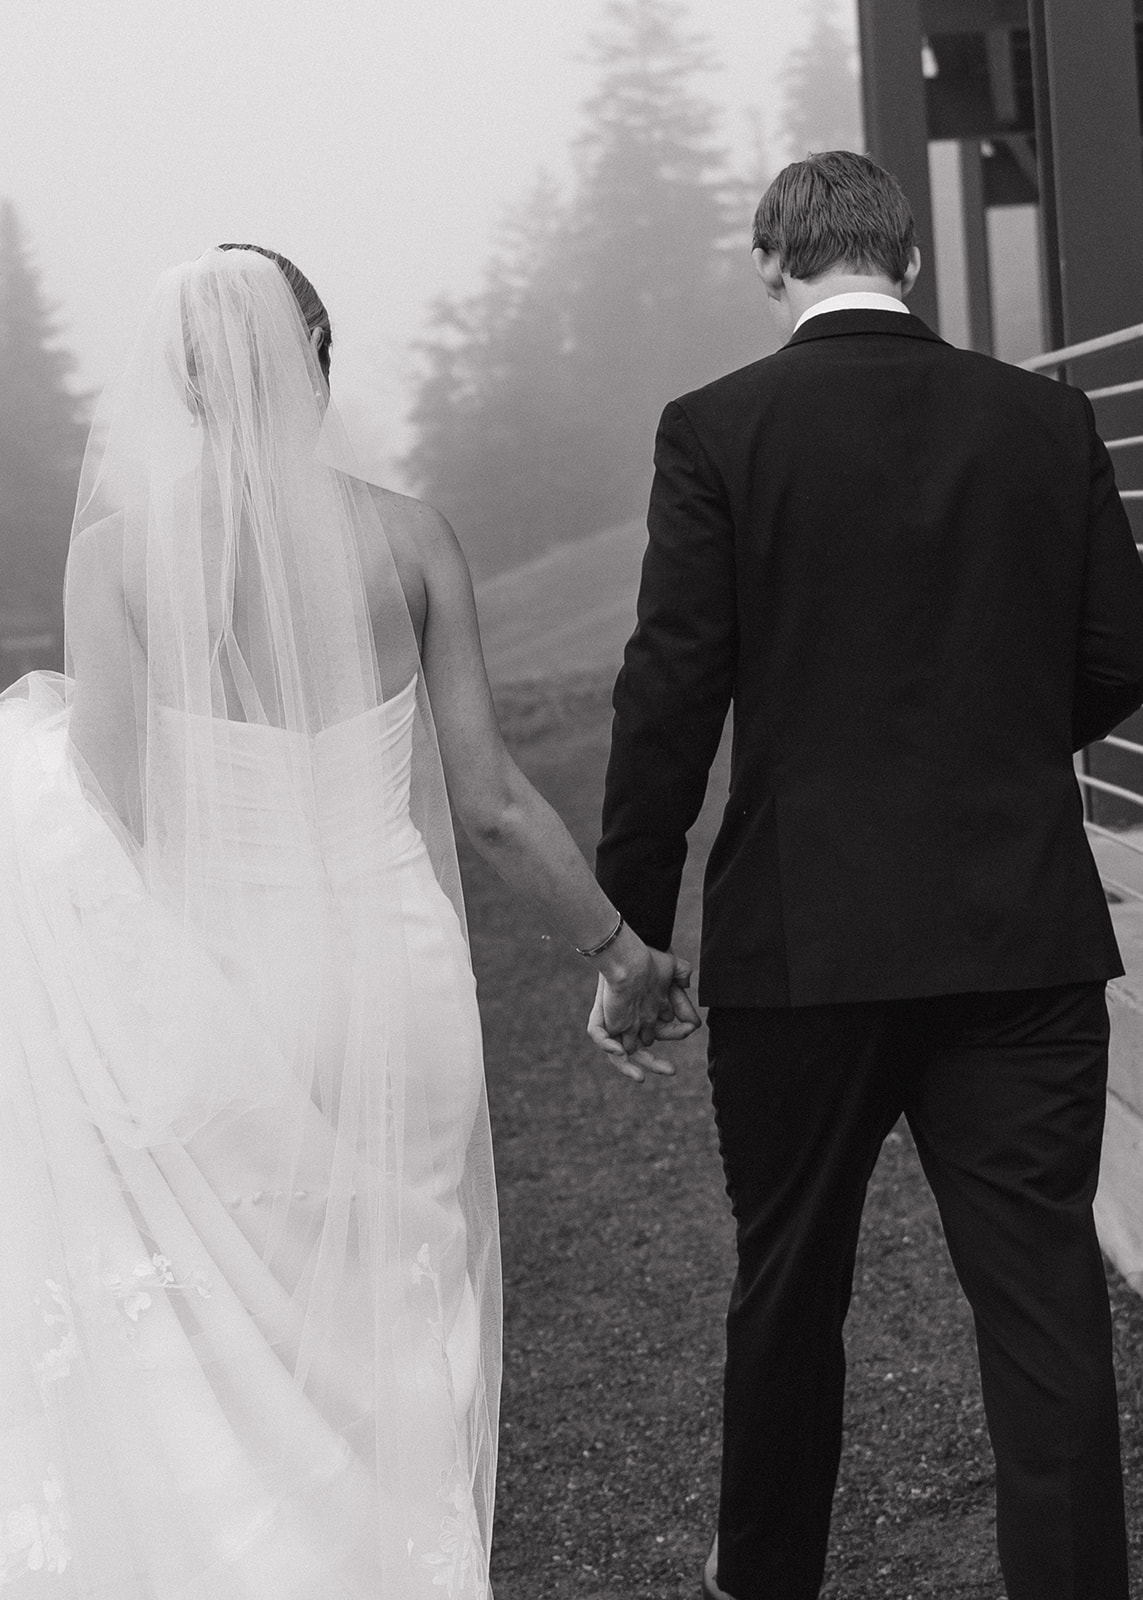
x=605 y=944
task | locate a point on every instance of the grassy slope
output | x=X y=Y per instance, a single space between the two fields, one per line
x=617 y=1256
x=565 y=611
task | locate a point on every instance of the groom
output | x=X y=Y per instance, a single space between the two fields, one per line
x=907 y=568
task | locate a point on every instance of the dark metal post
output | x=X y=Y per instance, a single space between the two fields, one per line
x=1087 y=74
x=1093 y=96
x=1050 y=288
x=1096 y=161
x=896 y=133
x=978 y=273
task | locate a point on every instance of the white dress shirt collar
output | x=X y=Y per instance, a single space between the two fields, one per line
x=854 y=300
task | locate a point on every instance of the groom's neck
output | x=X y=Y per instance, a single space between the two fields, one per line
x=802 y=294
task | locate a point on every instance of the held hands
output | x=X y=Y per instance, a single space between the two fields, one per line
x=639 y=1006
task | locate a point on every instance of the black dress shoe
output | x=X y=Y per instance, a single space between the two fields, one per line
x=710 y=1589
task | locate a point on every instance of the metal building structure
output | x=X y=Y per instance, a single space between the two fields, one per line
x=1043 y=99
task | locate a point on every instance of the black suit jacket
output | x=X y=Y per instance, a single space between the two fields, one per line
x=908 y=567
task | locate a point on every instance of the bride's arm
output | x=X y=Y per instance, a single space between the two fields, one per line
x=508 y=821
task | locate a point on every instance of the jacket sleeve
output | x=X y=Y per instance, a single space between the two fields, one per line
x=1109 y=666
x=672 y=693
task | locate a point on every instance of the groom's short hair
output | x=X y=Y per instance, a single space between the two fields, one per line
x=835 y=209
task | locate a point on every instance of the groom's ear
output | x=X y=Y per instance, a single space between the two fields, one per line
x=767 y=268
x=912 y=271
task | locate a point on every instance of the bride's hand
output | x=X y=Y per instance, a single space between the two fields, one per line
x=644 y=1004
x=634 y=1063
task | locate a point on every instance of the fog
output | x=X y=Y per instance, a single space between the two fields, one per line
x=374 y=141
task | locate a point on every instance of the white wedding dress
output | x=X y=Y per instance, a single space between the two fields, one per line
x=249 y=1290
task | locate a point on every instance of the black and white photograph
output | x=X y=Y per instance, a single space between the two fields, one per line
x=571 y=800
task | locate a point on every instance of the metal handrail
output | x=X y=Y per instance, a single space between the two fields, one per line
x=1086 y=347
x=1116 y=838
x=1050 y=361
x=1090 y=347
x=1111 y=390
x=1123 y=744
x=1120 y=888
x=1104 y=787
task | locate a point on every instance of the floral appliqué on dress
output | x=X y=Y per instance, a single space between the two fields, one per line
x=459 y=1560
x=55 y=1363
x=33 y=1537
x=133 y=1294
x=457 y=1563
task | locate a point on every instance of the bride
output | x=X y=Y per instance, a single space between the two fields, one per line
x=249 y=1281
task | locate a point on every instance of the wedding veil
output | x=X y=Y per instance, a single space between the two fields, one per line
x=211 y=830
x=210 y=488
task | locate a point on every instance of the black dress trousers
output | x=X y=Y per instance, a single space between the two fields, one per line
x=1004 y=1094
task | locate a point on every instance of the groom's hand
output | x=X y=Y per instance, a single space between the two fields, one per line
x=684 y=1018
x=651 y=1004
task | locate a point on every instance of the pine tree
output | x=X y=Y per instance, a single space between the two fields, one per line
x=535 y=413
x=662 y=295
x=821 y=107
x=41 y=446
x=494 y=436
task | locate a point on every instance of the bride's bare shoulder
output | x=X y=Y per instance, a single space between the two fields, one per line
x=106 y=574
x=430 y=565
x=426 y=551
x=98 y=541
x=101 y=559
x=414 y=527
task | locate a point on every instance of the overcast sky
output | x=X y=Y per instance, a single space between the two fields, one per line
x=374 y=141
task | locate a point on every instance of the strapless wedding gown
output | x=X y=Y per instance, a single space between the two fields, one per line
x=248 y=1261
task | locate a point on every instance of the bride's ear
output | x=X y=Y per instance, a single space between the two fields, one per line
x=317 y=337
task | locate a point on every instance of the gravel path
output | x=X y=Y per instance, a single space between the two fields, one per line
x=618 y=1257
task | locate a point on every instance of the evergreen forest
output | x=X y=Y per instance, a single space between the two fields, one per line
x=42 y=434
x=535 y=405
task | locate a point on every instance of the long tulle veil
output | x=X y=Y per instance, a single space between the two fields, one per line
x=248 y=1269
